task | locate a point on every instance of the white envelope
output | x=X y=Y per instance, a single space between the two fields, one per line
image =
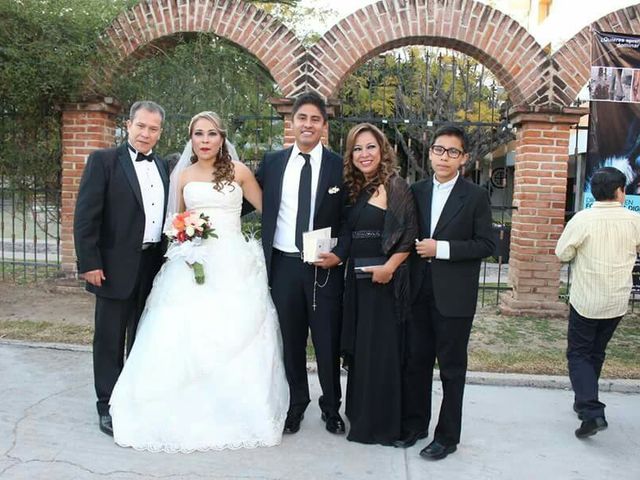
x=316 y=242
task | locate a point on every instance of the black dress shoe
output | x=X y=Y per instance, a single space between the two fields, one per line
x=292 y=423
x=333 y=422
x=104 y=421
x=410 y=439
x=591 y=427
x=437 y=451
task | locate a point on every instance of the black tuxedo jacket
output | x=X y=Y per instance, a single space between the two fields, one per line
x=466 y=223
x=109 y=220
x=329 y=206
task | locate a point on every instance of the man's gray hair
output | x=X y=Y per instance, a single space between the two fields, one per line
x=146 y=105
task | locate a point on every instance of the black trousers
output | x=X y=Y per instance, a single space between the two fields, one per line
x=292 y=290
x=116 y=322
x=430 y=336
x=587 y=340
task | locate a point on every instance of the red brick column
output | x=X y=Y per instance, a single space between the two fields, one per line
x=85 y=128
x=539 y=195
x=283 y=106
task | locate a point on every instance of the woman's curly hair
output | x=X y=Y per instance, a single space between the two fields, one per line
x=354 y=178
x=223 y=171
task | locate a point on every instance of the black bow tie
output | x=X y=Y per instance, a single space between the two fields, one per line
x=141 y=156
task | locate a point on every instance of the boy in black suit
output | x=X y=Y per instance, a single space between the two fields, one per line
x=455 y=234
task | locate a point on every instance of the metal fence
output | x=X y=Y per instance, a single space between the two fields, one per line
x=29 y=228
x=29 y=197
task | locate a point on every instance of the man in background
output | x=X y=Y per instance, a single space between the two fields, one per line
x=602 y=243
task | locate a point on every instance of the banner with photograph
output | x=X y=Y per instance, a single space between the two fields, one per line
x=614 y=121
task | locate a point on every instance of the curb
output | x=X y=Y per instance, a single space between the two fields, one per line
x=70 y=347
x=617 y=385
x=558 y=382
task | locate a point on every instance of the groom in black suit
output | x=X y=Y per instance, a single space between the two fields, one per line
x=302 y=191
x=117 y=231
x=455 y=234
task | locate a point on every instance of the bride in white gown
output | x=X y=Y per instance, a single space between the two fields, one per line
x=206 y=370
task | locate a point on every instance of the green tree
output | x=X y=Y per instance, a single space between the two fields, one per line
x=425 y=83
x=409 y=91
x=203 y=72
x=47 y=49
x=296 y=17
x=46 y=46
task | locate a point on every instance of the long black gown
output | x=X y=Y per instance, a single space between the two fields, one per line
x=374 y=382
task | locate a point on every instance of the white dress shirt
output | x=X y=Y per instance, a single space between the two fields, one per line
x=152 y=190
x=284 y=238
x=440 y=195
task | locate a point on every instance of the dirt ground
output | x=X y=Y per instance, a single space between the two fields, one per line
x=44 y=313
x=38 y=303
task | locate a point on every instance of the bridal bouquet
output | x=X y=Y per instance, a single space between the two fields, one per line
x=186 y=231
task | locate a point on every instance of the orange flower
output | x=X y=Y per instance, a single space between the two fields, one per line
x=179 y=221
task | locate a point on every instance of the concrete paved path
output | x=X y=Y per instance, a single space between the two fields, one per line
x=48 y=430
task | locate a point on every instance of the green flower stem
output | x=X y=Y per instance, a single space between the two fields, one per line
x=198 y=272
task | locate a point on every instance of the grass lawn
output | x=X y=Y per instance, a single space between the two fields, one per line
x=22 y=274
x=498 y=343
x=535 y=345
x=46 y=332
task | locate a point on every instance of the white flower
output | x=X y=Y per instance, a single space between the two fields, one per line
x=190 y=230
x=170 y=232
x=333 y=190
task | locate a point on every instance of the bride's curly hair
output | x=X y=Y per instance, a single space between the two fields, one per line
x=354 y=178
x=223 y=171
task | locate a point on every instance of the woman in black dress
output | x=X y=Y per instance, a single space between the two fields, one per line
x=383 y=227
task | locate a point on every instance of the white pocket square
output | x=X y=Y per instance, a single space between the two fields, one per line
x=333 y=190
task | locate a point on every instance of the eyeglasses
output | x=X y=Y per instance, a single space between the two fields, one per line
x=451 y=152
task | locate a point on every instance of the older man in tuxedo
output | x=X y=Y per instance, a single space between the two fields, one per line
x=117 y=230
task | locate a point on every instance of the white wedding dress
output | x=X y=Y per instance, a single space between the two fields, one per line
x=206 y=370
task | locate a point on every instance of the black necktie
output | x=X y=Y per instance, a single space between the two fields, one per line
x=141 y=156
x=304 y=200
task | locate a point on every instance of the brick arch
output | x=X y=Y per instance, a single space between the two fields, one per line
x=540 y=86
x=473 y=28
x=573 y=59
x=248 y=27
